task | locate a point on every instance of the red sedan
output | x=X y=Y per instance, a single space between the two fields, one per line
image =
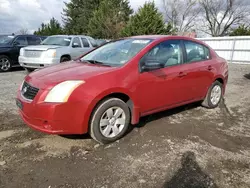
x=114 y=85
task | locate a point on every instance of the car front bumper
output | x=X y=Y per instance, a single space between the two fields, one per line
x=52 y=118
x=37 y=63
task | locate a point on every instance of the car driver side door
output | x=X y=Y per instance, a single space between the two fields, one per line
x=162 y=88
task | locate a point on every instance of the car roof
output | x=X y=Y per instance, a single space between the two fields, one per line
x=70 y=36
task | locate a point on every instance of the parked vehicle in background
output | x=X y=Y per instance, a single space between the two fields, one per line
x=101 y=42
x=10 y=46
x=117 y=83
x=55 y=49
x=43 y=37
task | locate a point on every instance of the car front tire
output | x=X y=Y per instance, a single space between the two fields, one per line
x=109 y=121
x=214 y=95
x=5 y=63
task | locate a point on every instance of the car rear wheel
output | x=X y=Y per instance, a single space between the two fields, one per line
x=5 y=63
x=214 y=95
x=110 y=121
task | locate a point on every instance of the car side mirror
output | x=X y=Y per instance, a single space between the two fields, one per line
x=75 y=45
x=150 y=65
x=16 y=43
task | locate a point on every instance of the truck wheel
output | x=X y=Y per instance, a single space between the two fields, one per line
x=5 y=63
x=64 y=59
x=110 y=121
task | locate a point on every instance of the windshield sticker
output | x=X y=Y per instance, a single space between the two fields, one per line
x=141 y=41
x=67 y=40
x=11 y=37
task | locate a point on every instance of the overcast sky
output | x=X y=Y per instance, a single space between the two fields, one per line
x=18 y=14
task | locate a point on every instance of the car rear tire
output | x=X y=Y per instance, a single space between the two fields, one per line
x=5 y=63
x=64 y=59
x=109 y=121
x=214 y=95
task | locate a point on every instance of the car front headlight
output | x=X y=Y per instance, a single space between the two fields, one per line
x=51 y=53
x=61 y=92
x=21 y=52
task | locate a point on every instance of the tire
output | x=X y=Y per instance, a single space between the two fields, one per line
x=114 y=126
x=29 y=70
x=209 y=101
x=5 y=63
x=64 y=59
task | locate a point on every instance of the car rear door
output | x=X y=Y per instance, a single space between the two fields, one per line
x=199 y=68
x=86 y=45
x=165 y=87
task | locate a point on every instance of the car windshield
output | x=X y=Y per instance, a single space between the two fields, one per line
x=116 y=53
x=57 y=40
x=5 y=39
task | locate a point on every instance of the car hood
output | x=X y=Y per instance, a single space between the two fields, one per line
x=42 y=47
x=46 y=78
x=2 y=46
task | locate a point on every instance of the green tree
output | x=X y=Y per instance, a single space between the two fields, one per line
x=52 y=28
x=109 y=19
x=77 y=14
x=148 y=20
x=242 y=30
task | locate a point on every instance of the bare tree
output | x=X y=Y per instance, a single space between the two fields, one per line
x=221 y=15
x=22 y=31
x=182 y=14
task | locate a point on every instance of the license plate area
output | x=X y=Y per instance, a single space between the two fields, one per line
x=19 y=104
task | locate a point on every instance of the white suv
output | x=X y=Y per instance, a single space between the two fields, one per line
x=55 y=49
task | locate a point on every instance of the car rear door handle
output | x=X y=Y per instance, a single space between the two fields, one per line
x=182 y=74
x=210 y=68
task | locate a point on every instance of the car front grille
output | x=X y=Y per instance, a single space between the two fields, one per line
x=29 y=92
x=32 y=53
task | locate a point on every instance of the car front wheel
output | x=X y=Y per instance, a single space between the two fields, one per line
x=214 y=95
x=110 y=121
x=5 y=63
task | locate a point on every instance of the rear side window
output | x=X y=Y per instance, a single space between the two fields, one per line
x=85 y=43
x=21 y=41
x=34 y=40
x=196 y=52
x=93 y=42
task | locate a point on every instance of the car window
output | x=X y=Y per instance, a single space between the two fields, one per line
x=93 y=42
x=196 y=52
x=34 y=40
x=168 y=53
x=76 y=42
x=21 y=41
x=85 y=43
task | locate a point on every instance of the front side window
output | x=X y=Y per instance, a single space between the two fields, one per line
x=57 y=40
x=168 y=53
x=196 y=52
x=117 y=53
x=76 y=43
x=21 y=41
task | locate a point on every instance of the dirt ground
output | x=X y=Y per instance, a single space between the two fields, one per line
x=185 y=147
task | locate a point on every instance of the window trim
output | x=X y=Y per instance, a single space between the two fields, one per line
x=181 y=48
x=185 y=52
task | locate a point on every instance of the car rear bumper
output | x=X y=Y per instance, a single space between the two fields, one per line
x=53 y=118
x=37 y=63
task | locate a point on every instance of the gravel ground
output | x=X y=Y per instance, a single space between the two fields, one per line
x=185 y=147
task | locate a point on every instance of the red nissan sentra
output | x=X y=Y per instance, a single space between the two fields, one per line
x=114 y=85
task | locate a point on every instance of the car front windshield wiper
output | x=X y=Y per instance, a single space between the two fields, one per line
x=96 y=62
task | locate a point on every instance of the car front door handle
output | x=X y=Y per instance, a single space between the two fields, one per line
x=182 y=74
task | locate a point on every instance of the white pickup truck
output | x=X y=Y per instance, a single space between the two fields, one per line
x=55 y=49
